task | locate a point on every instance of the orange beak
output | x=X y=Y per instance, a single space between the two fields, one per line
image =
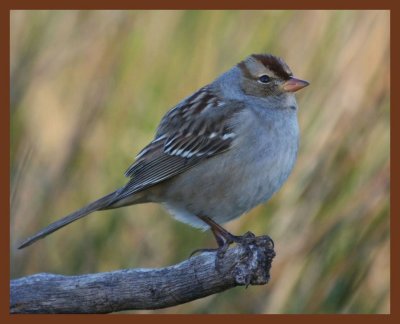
x=293 y=84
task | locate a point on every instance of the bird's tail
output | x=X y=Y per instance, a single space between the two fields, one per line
x=100 y=204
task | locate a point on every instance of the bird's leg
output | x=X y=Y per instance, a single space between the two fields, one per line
x=223 y=238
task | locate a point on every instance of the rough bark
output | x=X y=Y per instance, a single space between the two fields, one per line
x=133 y=289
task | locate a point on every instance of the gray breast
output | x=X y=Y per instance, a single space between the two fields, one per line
x=230 y=184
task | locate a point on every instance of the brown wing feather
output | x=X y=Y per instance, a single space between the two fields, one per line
x=183 y=141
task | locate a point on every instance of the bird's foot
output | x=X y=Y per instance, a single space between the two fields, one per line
x=224 y=240
x=224 y=244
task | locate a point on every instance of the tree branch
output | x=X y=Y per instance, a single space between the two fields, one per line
x=131 y=289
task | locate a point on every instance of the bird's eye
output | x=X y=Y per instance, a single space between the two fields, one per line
x=264 y=78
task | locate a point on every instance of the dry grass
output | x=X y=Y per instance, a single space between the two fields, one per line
x=88 y=89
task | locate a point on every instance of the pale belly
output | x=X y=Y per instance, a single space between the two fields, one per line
x=228 y=185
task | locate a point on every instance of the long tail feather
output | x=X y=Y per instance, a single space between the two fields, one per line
x=102 y=203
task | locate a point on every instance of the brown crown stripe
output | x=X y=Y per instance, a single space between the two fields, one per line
x=273 y=63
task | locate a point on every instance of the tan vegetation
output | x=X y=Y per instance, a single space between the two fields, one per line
x=88 y=89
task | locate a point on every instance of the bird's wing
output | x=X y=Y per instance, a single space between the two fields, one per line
x=198 y=128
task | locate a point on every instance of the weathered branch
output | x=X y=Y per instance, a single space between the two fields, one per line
x=130 y=289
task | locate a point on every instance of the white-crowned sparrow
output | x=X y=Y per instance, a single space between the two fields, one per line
x=218 y=153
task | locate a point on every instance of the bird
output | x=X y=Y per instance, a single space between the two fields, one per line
x=217 y=154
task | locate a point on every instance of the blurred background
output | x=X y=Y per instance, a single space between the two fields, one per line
x=88 y=89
